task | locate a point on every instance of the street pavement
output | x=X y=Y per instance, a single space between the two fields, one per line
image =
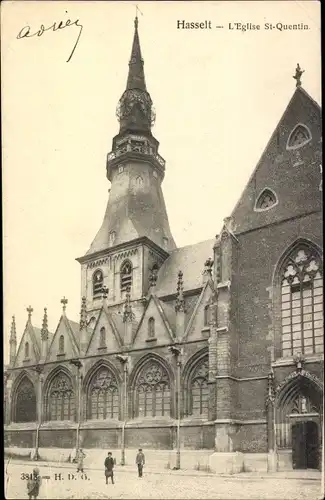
x=64 y=482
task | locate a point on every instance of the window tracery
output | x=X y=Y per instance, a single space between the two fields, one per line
x=302 y=303
x=299 y=136
x=61 y=399
x=266 y=200
x=153 y=392
x=25 y=407
x=104 y=396
x=199 y=390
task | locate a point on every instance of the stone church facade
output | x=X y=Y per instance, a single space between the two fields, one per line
x=212 y=352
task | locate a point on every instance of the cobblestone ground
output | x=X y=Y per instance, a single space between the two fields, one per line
x=156 y=486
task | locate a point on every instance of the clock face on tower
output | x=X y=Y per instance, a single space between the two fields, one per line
x=132 y=97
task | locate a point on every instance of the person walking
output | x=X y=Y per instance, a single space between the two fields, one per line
x=109 y=466
x=33 y=484
x=140 y=461
x=80 y=459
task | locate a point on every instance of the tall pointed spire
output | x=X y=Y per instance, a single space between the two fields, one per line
x=136 y=79
x=45 y=330
x=13 y=336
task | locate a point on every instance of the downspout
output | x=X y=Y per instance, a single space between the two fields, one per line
x=39 y=419
x=125 y=416
x=178 y=437
x=79 y=410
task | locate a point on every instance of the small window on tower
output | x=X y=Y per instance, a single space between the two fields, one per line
x=98 y=282
x=120 y=169
x=151 y=328
x=139 y=181
x=266 y=200
x=26 y=350
x=299 y=136
x=102 y=337
x=207 y=315
x=165 y=243
x=155 y=174
x=126 y=275
x=61 y=344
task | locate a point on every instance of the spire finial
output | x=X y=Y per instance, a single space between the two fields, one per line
x=45 y=331
x=136 y=78
x=180 y=302
x=13 y=336
x=29 y=310
x=298 y=75
x=64 y=302
x=83 y=314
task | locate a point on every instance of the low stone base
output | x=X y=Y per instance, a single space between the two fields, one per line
x=226 y=463
x=272 y=461
x=34 y=454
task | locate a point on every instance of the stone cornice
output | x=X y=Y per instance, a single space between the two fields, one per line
x=123 y=246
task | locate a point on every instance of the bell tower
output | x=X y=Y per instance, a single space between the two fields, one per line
x=135 y=236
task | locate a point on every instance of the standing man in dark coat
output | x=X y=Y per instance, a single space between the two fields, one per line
x=33 y=484
x=140 y=461
x=109 y=466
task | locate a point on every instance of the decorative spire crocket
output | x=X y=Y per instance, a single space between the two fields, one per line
x=128 y=315
x=180 y=302
x=83 y=314
x=270 y=397
x=13 y=335
x=45 y=330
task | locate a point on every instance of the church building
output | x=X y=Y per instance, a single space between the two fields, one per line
x=208 y=356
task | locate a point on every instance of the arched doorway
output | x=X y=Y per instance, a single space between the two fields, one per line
x=305 y=445
x=299 y=422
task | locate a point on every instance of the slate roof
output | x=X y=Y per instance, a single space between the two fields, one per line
x=190 y=260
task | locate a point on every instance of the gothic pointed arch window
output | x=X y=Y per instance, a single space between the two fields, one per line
x=266 y=200
x=98 y=283
x=152 y=393
x=102 y=337
x=199 y=390
x=61 y=344
x=126 y=275
x=151 y=328
x=299 y=137
x=302 y=302
x=61 y=398
x=25 y=402
x=26 y=352
x=103 y=395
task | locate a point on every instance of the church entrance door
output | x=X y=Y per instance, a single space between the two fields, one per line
x=305 y=445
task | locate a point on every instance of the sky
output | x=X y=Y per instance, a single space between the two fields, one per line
x=218 y=95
